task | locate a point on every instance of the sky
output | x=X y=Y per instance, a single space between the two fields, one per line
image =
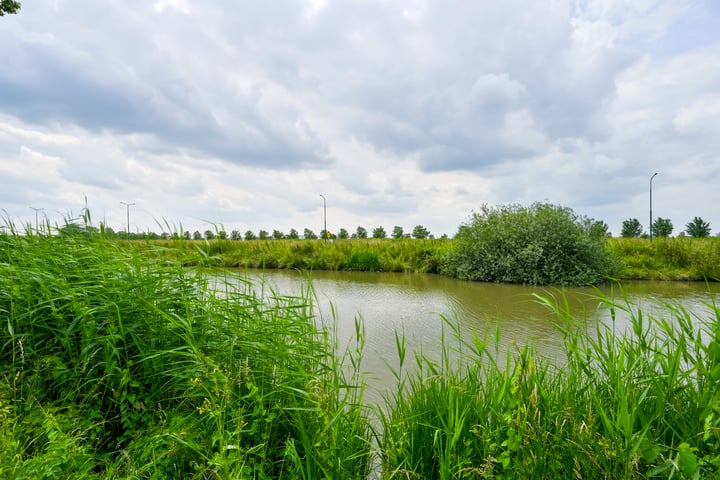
x=239 y=115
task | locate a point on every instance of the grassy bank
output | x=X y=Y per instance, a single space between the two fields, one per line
x=370 y=255
x=679 y=258
x=119 y=362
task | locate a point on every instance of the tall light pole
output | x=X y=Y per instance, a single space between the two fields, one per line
x=651 y=217
x=128 y=205
x=36 y=217
x=325 y=233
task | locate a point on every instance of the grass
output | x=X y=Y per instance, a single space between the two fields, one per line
x=679 y=258
x=117 y=364
x=402 y=255
x=120 y=362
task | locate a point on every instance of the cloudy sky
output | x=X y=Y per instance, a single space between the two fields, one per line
x=400 y=112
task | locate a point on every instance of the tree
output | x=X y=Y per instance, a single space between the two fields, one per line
x=397 y=232
x=662 y=227
x=222 y=235
x=8 y=7
x=361 y=232
x=420 y=232
x=293 y=234
x=343 y=234
x=197 y=235
x=540 y=245
x=277 y=234
x=209 y=234
x=698 y=228
x=263 y=235
x=186 y=235
x=631 y=228
x=309 y=234
x=250 y=235
x=235 y=235
x=379 y=232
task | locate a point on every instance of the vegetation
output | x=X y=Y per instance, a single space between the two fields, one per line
x=118 y=362
x=662 y=227
x=540 y=244
x=405 y=255
x=698 y=228
x=631 y=228
x=9 y=7
x=680 y=258
x=641 y=405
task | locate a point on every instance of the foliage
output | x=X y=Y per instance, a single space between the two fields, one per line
x=540 y=244
x=343 y=234
x=420 y=232
x=379 y=232
x=209 y=235
x=631 y=228
x=639 y=404
x=277 y=234
x=668 y=258
x=263 y=235
x=293 y=234
x=117 y=363
x=662 y=227
x=361 y=232
x=9 y=7
x=250 y=235
x=397 y=232
x=309 y=234
x=698 y=228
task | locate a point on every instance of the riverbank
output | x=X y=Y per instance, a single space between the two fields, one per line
x=681 y=258
x=122 y=363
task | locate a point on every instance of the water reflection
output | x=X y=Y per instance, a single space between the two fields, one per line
x=414 y=305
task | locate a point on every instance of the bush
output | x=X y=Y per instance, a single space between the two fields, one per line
x=541 y=244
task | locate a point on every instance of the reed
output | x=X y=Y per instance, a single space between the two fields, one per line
x=638 y=404
x=123 y=364
x=118 y=361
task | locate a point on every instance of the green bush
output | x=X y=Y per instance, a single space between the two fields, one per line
x=541 y=244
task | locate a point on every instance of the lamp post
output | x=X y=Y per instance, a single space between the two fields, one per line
x=651 y=217
x=128 y=205
x=36 y=217
x=325 y=232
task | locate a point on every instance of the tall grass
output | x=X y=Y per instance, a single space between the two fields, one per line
x=119 y=362
x=680 y=258
x=638 y=404
x=122 y=365
x=402 y=255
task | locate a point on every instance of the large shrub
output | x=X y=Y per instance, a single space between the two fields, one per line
x=540 y=244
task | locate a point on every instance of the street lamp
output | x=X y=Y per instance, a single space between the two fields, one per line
x=325 y=234
x=36 y=217
x=651 y=217
x=128 y=205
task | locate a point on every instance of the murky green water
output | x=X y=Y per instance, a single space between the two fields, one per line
x=415 y=304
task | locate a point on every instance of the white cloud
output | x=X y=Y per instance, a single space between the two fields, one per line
x=411 y=113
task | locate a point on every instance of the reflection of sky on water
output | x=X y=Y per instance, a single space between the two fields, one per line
x=414 y=305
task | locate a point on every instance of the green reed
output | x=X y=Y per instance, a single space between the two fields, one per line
x=118 y=361
x=638 y=404
x=119 y=364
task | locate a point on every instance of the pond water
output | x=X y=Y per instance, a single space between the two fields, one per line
x=414 y=305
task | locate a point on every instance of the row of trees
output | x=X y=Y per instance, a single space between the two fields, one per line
x=663 y=227
x=419 y=232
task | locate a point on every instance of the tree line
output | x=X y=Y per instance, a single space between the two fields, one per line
x=663 y=227
x=398 y=232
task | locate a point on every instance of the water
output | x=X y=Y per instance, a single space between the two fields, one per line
x=414 y=305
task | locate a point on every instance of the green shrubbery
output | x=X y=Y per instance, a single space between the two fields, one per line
x=540 y=244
